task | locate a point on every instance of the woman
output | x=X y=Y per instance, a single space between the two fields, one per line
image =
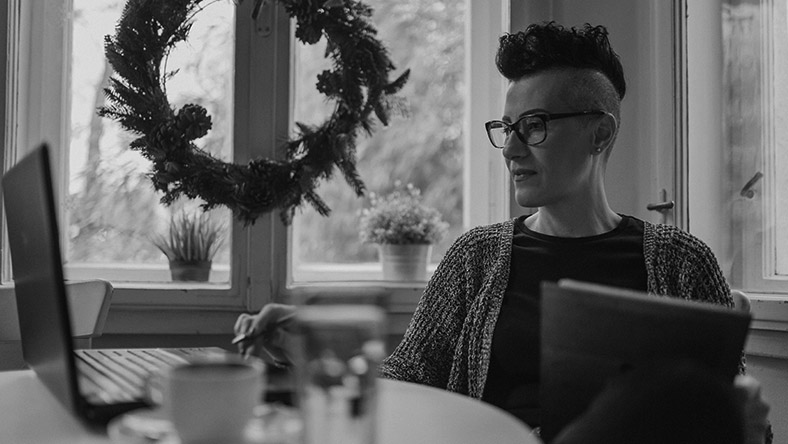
x=475 y=330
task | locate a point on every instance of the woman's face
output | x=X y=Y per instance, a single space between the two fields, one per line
x=561 y=169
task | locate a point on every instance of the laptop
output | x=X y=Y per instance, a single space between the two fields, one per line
x=590 y=333
x=96 y=385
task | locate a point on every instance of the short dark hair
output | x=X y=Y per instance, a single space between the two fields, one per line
x=547 y=46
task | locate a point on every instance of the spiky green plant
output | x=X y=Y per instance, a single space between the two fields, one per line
x=192 y=237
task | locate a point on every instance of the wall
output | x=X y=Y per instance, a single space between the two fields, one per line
x=773 y=375
x=767 y=358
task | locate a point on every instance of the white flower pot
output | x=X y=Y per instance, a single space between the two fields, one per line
x=405 y=262
x=190 y=271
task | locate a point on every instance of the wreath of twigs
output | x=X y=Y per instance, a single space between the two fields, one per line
x=357 y=82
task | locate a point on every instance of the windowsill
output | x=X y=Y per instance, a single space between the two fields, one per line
x=136 y=275
x=150 y=317
x=360 y=283
x=770 y=311
x=366 y=273
x=768 y=335
x=157 y=277
x=767 y=297
x=172 y=286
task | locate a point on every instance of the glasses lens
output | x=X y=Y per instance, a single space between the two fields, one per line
x=533 y=130
x=498 y=132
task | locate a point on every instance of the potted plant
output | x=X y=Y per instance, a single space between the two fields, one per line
x=404 y=229
x=190 y=244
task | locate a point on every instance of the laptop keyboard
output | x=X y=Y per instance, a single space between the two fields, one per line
x=111 y=376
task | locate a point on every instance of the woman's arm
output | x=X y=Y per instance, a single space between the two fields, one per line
x=427 y=351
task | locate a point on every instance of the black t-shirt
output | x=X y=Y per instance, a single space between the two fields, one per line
x=614 y=258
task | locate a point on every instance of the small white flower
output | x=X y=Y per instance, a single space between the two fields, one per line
x=401 y=218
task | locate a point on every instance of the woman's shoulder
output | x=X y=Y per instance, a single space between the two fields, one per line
x=673 y=237
x=668 y=232
x=487 y=232
x=683 y=265
x=483 y=239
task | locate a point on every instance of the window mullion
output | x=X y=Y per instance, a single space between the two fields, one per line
x=263 y=58
x=485 y=189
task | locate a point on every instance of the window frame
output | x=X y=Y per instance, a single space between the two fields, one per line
x=758 y=269
x=39 y=44
x=38 y=39
x=485 y=192
x=708 y=193
x=167 y=309
x=716 y=197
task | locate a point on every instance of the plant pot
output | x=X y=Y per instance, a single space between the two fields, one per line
x=404 y=262
x=190 y=271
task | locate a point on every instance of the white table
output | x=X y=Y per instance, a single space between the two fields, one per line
x=412 y=413
x=409 y=414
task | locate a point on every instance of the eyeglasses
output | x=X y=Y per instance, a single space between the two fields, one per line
x=531 y=129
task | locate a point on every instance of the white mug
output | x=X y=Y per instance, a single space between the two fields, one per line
x=212 y=401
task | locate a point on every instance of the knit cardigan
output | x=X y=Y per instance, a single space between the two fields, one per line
x=448 y=341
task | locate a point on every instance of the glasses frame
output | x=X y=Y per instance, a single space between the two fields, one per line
x=545 y=117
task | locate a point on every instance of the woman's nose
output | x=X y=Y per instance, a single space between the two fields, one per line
x=514 y=148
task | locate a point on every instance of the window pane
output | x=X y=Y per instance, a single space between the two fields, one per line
x=112 y=208
x=756 y=101
x=779 y=139
x=422 y=147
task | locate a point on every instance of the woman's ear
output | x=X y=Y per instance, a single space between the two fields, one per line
x=605 y=133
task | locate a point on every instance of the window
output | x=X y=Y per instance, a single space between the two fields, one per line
x=51 y=97
x=428 y=145
x=421 y=146
x=755 y=43
x=46 y=102
x=112 y=214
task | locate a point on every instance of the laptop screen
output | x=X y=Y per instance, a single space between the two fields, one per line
x=44 y=323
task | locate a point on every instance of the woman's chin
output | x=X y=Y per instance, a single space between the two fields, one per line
x=527 y=200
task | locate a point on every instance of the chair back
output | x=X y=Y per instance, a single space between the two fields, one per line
x=740 y=300
x=88 y=303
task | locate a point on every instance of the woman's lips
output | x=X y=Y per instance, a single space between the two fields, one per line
x=521 y=174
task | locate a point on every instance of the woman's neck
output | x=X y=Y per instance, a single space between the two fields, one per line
x=573 y=222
